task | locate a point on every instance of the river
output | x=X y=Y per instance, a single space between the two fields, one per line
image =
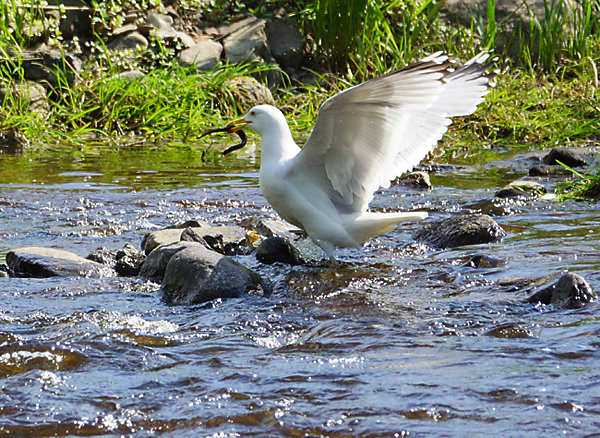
x=400 y=340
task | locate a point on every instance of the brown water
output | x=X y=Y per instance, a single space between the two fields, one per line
x=401 y=340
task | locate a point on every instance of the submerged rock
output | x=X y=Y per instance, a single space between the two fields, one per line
x=482 y=261
x=521 y=189
x=278 y=249
x=465 y=229
x=196 y=274
x=570 y=291
x=35 y=261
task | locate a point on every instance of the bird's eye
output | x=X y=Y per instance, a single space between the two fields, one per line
x=252 y=113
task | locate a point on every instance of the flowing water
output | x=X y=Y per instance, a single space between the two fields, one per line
x=399 y=340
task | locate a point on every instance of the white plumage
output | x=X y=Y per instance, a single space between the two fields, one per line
x=363 y=138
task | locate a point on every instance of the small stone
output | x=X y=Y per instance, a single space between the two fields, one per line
x=103 y=255
x=417 y=179
x=204 y=55
x=191 y=235
x=35 y=261
x=130 y=41
x=278 y=249
x=465 y=229
x=571 y=291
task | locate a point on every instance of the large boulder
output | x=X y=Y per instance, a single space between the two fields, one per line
x=196 y=274
x=35 y=261
x=461 y=230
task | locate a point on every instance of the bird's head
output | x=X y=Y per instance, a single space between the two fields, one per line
x=264 y=119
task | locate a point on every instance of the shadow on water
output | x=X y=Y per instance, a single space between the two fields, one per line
x=400 y=339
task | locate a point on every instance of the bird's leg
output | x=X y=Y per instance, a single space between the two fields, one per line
x=328 y=248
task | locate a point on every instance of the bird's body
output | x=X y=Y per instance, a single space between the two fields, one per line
x=363 y=138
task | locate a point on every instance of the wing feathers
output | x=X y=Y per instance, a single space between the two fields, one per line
x=368 y=134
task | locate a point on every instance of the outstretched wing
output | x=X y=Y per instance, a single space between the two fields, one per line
x=367 y=135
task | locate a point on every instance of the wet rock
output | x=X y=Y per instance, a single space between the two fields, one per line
x=196 y=275
x=41 y=262
x=225 y=239
x=247 y=42
x=156 y=262
x=12 y=141
x=129 y=41
x=160 y=237
x=571 y=291
x=482 y=261
x=572 y=157
x=103 y=255
x=129 y=261
x=276 y=227
x=521 y=189
x=466 y=229
x=190 y=223
x=515 y=284
x=250 y=91
x=286 y=43
x=191 y=235
x=27 y=91
x=278 y=249
x=204 y=55
x=417 y=179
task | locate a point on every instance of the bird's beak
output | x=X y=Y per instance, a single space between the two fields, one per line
x=231 y=127
x=235 y=126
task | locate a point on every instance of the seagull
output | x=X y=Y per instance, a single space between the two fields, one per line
x=363 y=138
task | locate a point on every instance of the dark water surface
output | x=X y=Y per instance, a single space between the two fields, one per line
x=402 y=339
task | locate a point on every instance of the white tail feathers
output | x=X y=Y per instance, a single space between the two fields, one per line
x=372 y=224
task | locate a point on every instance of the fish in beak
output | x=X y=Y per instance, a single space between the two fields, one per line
x=235 y=126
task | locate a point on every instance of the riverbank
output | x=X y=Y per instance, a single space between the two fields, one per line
x=161 y=73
